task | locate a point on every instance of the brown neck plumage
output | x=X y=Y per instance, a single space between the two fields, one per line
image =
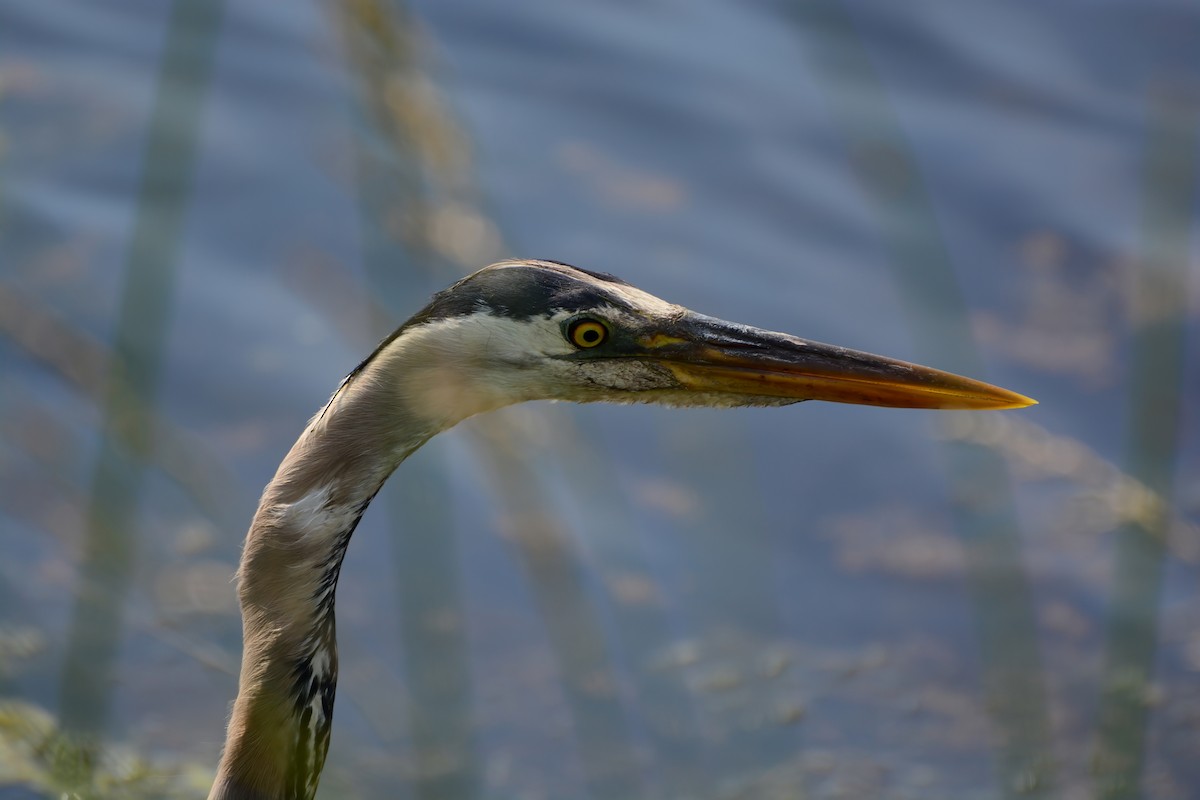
x=279 y=730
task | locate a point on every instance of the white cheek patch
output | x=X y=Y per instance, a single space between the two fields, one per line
x=456 y=368
x=485 y=338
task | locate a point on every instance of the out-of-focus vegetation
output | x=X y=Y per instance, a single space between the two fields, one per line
x=36 y=754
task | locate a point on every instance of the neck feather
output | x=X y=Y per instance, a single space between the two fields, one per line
x=279 y=730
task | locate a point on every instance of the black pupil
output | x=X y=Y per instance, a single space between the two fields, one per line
x=591 y=335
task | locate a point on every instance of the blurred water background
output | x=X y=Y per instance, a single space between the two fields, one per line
x=210 y=211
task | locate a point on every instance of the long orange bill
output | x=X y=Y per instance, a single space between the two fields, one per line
x=712 y=355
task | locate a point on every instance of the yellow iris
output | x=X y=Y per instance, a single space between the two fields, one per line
x=587 y=333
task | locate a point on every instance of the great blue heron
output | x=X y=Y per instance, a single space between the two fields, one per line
x=514 y=331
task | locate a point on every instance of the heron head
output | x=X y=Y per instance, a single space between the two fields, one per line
x=541 y=330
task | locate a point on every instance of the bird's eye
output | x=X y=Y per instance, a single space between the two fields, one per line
x=586 y=332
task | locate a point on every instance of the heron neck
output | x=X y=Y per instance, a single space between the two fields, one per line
x=279 y=730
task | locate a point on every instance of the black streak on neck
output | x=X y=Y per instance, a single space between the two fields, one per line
x=312 y=741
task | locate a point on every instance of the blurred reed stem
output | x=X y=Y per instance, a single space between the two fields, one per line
x=1157 y=358
x=728 y=535
x=431 y=619
x=421 y=166
x=85 y=364
x=979 y=482
x=575 y=634
x=432 y=628
x=556 y=576
x=110 y=545
x=674 y=727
